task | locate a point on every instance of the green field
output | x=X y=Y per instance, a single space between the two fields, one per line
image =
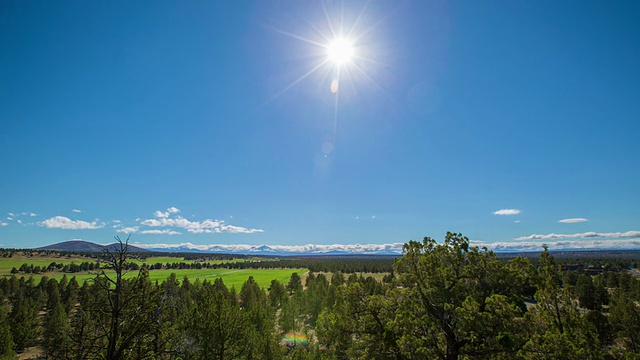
x=6 y=264
x=168 y=259
x=231 y=277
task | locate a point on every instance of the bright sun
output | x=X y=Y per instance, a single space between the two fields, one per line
x=340 y=51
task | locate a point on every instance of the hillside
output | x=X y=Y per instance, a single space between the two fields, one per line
x=85 y=246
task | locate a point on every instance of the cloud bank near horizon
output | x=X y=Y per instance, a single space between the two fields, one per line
x=607 y=244
x=396 y=248
x=584 y=235
x=307 y=248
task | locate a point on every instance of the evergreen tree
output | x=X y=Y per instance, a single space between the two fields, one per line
x=456 y=300
x=277 y=293
x=6 y=340
x=294 y=286
x=586 y=293
x=70 y=294
x=167 y=339
x=217 y=327
x=624 y=316
x=317 y=288
x=557 y=330
x=56 y=340
x=448 y=301
x=23 y=320
x=261 y=322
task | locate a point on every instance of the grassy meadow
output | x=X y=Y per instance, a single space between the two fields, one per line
x=231 y=277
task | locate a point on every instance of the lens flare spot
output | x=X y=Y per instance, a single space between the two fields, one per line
x=327 y=147
x=334 y=86
x=292 y=339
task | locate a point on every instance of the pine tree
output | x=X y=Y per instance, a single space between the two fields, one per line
x=6 y=340
x=557 y=330
x=217 y=327
x=625 y=320
x=56 y=341
x=23 y=320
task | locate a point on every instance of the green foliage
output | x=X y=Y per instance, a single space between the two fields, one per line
x=294 y=286
x=598 y=323
x=55 y=324
x=585 y=291
x=6 y=339
x=443 y=301
x=317 y=289
x=461 y=298
x=23 y=320
x=625 y=320
x=555 y=325
x=217 y=327
x=56 y=332
x=277 y=294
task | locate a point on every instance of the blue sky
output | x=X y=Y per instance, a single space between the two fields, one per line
x=215 y=122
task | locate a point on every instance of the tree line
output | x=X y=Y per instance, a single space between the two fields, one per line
x=441 y=301
x=53 y=266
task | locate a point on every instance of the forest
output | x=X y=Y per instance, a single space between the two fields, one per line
x=446 y=300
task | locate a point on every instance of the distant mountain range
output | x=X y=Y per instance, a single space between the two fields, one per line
x=86 y=246
x=304 y=250
x=310 y=250
x=283 y=250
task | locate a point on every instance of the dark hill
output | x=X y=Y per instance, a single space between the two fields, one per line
x=85 y=246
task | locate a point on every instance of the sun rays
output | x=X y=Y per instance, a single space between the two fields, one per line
x=337 y=56
x=334 y=48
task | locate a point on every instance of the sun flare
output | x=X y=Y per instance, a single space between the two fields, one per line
x=340 y=51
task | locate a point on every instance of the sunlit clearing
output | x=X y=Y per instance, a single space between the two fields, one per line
x=340 y=51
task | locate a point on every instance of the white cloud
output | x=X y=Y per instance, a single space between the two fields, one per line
x=373 y=217
x=76 y=210
x=128 y=230
x=572 y=220
x=3 y=223
x=61 y=222
x=585 y=235
x=507 y=212
x=160 y=232
x=9 y=218
x=200 y=231
x=11 y=214
x=160 y=214
x=166 y=214
x=19 y=221
x=517 y=221
x=32 y=214
x=236 y=229
x=199 y=227
x=24 y=214
x=116 y=221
